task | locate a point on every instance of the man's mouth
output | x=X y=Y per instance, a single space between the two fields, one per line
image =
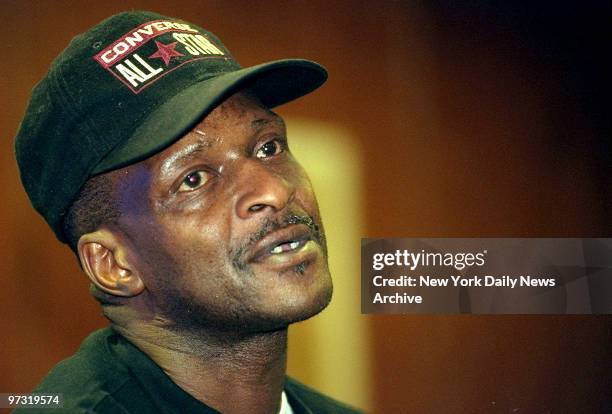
x=287 y=246
x=286 y=240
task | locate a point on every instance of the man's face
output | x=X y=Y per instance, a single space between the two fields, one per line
x=224 y=226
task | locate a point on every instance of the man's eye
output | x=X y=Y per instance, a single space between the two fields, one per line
x=270 y=149
x=194 y=180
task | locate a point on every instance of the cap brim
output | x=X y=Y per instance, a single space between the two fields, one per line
x=273 y=83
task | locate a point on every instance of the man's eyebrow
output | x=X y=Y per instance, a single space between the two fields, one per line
x=184 y=155
x=261 y=123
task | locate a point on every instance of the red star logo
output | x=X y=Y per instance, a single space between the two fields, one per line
x=165 y=52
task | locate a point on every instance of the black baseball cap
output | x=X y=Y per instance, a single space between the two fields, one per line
x=126 y=89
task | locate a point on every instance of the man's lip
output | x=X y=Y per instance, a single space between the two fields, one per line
x=293 y=232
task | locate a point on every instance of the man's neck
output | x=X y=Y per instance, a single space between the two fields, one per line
x=231 y=374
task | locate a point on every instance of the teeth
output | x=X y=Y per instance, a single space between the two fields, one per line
x=285 y=247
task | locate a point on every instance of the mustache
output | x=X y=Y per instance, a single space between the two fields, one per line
x=270 y=225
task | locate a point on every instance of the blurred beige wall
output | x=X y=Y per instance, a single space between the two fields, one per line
x=332 y=351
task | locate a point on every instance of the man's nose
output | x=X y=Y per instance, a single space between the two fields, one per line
x=261 y=190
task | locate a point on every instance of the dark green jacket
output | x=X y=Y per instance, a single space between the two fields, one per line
x=110 y=375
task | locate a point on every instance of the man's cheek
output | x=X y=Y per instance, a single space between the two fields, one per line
x=303 y=186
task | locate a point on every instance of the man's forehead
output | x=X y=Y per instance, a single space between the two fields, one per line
x=240 y=111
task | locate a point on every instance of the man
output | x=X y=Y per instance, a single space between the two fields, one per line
x=157 y=159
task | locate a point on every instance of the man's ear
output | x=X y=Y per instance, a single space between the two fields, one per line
x=104 y=260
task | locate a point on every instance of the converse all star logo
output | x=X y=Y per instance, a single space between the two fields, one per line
x=154 y=49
